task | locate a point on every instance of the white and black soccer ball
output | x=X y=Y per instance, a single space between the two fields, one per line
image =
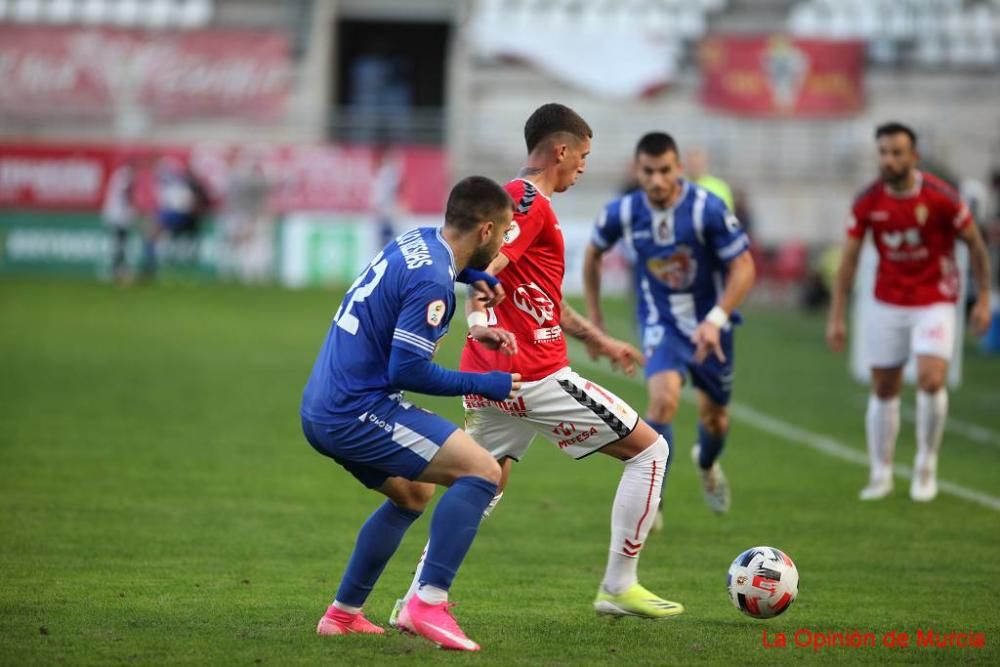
x=763 y=582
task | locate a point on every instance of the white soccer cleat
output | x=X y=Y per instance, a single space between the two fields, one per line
x=923 y=486
x=879 y=486
x=714 y=484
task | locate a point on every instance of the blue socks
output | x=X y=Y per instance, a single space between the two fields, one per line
x=711 y=447
x=377 y=541
x=453 y=528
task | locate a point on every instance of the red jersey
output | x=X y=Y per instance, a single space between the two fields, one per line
x=533 y=283
x=914 y=233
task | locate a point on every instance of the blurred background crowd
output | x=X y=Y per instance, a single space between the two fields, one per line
x=261 y=141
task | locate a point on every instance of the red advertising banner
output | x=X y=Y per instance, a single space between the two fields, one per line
x=782 y=76
x=299 y=177
x=95 y=72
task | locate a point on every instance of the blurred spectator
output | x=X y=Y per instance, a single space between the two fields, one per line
x=119 y=214
x=181 y=201
x=245 y=222
x=743 y=211
x=380 y=94
x=696 y=171
x=993 y=228
x=386 y=201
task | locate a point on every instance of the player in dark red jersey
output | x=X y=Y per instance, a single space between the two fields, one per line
x=914 y=219
x=577 y=415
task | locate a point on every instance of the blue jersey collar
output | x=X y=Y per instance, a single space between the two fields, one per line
x=685 y=189
x=451 y=255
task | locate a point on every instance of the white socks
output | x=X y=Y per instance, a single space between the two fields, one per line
x=881 y=429
x=932 y=410
x=633 y=513
x=432 y=594
x=415 y=583
x=346 y=607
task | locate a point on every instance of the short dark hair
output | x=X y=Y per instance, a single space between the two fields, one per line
x=656 y=143
x=553 y=118
x=473 y=200
x=887 y=129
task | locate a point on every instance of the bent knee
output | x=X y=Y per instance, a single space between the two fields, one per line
x=414 y=497
x=662 y=409
x=493 y=472
x=716 y=424
x=485 y=466
x=930 y=382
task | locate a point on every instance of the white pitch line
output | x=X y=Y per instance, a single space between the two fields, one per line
x=800 y=436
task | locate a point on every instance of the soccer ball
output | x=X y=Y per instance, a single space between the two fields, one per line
x=763 y=582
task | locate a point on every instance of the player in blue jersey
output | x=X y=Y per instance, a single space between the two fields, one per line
x=380 y=343
x=692 y=270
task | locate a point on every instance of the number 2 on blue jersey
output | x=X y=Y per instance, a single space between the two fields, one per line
x=358 y=293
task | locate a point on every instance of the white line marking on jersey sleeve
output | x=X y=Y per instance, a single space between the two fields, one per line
x=798 y=435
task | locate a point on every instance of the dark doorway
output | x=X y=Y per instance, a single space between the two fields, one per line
x=390 y=81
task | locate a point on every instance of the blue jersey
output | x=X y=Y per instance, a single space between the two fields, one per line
x=404 y=298
x=680 y=254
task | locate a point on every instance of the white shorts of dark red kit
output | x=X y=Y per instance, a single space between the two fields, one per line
x=892 y=333
x=576 y=415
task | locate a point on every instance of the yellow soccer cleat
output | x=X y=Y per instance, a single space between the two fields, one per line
x=636 y=601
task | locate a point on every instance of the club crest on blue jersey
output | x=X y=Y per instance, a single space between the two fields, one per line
x=435 y=312
x=678 y=271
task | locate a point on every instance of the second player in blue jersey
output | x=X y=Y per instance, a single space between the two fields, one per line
x=692 y=270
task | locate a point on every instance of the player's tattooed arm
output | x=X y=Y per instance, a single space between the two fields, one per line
x=598 y=343
x=577 y=326
x=979 y=259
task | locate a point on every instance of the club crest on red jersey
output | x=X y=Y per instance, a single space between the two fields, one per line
x=531 y=299
x=512 y=233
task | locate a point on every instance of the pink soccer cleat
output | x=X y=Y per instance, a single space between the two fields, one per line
x=339 y=622
x=434 y=622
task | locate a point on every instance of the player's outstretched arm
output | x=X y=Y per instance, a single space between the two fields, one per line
x=836 y=327
x=592 y=284
x=598 y=343
x=411 y=372
x=494 y=338
x=739 y=282
x=979 y=258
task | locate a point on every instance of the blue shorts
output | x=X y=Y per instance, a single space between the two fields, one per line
x=392 y=439
x=667 y=349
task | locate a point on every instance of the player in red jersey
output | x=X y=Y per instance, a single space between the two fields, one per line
x=914 y=219
x=578 y=416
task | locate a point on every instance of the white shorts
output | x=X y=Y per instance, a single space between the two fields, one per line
x=576 y=415
x=894 y=332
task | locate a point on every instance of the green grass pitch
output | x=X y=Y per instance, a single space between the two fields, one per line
x=158 y=504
